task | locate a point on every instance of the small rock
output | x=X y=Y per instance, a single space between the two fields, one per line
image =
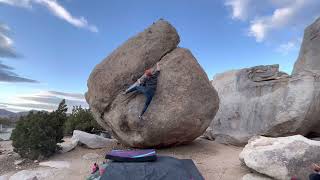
x=208 y=134
x=18 y=162
x=68 y=145
x=90 y=156
x=106 y=134
x=56 y=164
x=16 y=155
x=36 y=161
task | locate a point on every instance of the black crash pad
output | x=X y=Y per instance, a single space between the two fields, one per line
x=165 y=168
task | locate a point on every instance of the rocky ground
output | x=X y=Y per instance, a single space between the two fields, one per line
x=215 y=161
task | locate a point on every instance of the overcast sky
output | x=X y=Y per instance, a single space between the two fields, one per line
x=49 y=47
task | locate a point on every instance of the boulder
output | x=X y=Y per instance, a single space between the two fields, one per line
x=40 y=173
x=184 y=103
x=19 y=162
x=4 y=177
x=264 y=101
x=126 y=64
x=68 y=145
x=281 y=158
x=91 y=140
x=253 y=176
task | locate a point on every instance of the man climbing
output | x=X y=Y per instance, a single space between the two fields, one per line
x=146 y=85
x=316 y=174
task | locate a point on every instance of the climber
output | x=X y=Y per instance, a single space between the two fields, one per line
x=146 y=85
x=316 y=174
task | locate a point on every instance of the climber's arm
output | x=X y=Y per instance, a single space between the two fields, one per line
x=315 y=167
x=157 y=70
x=142 y=79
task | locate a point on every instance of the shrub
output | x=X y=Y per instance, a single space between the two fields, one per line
x=37 y=134
x=81 y=119
x=6 y=122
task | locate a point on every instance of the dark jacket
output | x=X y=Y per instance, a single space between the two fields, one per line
x=150 y=81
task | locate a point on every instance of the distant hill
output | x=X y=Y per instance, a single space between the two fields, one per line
x=7 y=114
x=12 y=116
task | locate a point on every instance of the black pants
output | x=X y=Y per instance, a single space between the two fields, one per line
x=314 y=177
x=147 y=92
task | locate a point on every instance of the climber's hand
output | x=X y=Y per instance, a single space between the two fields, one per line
x=158 y=66
x=315 y=167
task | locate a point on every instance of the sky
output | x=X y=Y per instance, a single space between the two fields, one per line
x=48 y=48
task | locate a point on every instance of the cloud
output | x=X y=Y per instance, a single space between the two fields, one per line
x=20 y=3
x=276 y=17
x=239 y=8
x=69 y=95
x=56 y=9
x=45 y=100
x=7 y=51
x=6 y=75
x=287 y=47
x=6 y=44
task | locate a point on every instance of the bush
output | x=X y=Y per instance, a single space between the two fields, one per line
x=37 y=134
x=6 y=122
x=81 y=119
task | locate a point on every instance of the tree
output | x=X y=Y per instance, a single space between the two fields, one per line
x=81 y=119
x=58 y=119
x=6 y=122
x=37 y=134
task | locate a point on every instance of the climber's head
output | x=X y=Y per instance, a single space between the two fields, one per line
x=148 y=72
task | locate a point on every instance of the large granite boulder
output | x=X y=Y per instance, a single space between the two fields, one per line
x=183 y=106
x=281 y=158
x=309 y=57
x=264 y=101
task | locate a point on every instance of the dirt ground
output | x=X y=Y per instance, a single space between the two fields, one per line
x=215 y=161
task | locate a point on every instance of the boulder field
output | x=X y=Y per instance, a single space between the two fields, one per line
x=265 y=101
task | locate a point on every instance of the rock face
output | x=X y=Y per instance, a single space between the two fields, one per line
x=265 y=73
x=183 y=106
x=90 y=140
x=309 y=56
x=281 y=158
x=263 y=101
